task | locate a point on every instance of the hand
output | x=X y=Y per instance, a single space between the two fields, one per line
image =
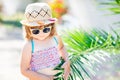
x=46 y=77
x=66 y=67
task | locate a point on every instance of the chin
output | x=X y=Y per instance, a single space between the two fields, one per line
x=41 y=38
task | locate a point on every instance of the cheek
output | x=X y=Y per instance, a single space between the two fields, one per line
x=34 y=36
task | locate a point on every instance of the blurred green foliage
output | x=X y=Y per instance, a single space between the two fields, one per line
x=12 y=21
x=118 y=1
x=112 y=5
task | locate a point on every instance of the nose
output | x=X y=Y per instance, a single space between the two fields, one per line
x=41 y=32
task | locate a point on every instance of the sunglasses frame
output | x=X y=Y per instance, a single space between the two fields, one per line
x=42 y=27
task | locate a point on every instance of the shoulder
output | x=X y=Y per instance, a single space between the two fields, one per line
x=26 y=55
x=27 y=46
x=60 y=43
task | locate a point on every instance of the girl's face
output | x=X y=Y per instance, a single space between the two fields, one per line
x=41 y=32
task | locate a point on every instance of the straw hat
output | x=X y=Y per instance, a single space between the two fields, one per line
x=37 y=14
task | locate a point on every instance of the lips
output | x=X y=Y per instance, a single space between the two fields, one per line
x=41 y=36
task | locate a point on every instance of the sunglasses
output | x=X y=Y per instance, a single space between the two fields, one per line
x=37 y=31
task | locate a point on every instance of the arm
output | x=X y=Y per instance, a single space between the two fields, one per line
x=25 y=64
x=62 y=50
x=65 y=56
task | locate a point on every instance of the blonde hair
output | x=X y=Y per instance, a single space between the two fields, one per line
x=28 y=32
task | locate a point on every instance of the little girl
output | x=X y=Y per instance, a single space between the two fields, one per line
x=42 y=52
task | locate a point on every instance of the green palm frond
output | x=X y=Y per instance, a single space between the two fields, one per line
x=87 y=49
x=84 y=66
x=112 y=5
x=78 y=41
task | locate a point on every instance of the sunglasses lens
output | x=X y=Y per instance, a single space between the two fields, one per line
x=46 y=30
x=35 y=31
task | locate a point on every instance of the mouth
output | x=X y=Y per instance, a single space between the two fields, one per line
x=41 y=36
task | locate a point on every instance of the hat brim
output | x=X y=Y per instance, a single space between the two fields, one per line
x=38 y=23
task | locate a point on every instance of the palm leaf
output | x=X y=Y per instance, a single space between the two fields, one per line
x=112 y=5
x=82 y=48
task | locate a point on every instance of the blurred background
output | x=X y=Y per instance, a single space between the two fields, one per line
x=83 y=15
